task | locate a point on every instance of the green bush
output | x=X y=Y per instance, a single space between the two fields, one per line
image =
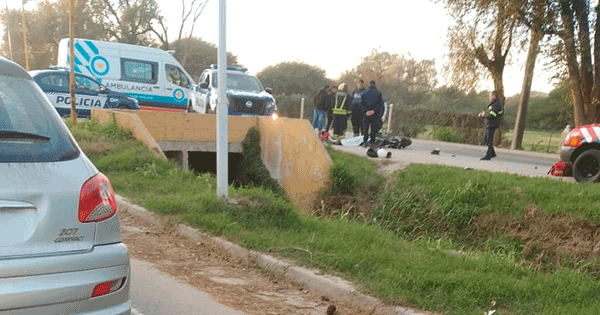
x=290 y=105
x=448 y=134
x=254 y=171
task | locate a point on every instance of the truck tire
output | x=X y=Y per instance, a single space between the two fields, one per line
x=587 y=166
x=190 y=109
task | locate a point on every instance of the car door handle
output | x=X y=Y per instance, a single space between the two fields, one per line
x=169 y=89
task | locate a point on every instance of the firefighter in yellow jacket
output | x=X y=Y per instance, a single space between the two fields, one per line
x=340 y=109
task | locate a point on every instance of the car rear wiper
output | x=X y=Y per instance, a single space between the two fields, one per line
x=17 y=135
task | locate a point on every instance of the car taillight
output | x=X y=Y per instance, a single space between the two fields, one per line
x=97 y=200
x=105 y=288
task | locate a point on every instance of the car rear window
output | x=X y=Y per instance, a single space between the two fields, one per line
x=30 y=129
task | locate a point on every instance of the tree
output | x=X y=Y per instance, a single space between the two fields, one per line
x=583 y=64
x=553 y=112
x=197 y=9
x=451 y=99
x=133 y=21
x=47 y=24
x=12 y=23
x=293 y=78
x=202 y=55
x=535 y=15
x=402 y=80
x=479 y=43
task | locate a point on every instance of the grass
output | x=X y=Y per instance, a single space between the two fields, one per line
x=413 y=249
x=539 y=141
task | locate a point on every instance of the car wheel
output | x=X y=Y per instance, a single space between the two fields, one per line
x=587 y=166
x=190 y=109
x=121 y=106
x=206 y=109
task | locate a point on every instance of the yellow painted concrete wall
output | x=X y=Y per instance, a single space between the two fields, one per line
x=176 y=126
x=290 y=149
x=295 y=157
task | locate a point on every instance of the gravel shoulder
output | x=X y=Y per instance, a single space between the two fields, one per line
x=245 y=287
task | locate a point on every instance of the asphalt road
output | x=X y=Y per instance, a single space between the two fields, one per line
x=153 y=292
x=468 y=156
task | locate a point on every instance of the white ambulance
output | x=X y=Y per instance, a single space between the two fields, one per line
x=151 y=75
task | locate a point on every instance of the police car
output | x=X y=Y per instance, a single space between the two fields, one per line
x=89 y=93
x=245 y=93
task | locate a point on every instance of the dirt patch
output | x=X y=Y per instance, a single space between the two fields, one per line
x=548 y=240
x=388 y=167
x=355 y=207
x=244 y=287
x=359 y=205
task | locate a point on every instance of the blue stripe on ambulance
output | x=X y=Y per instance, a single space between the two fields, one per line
x=159 y=101
x=82 y=51
x=92 y=47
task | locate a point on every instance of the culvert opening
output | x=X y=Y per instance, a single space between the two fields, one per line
x=206 y=162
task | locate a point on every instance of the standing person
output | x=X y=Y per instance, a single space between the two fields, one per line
x=356 y=111
x=340 y=108
x=492 y=116
x=330 y=100
x=372 y=104
x=320 y=112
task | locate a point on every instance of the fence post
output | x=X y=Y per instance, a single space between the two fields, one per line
x=302 y=109
x=389 y=124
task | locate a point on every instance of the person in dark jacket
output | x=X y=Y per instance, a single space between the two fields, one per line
x=320 y=112
x=493 y=117
x=355 y=109
x=341 y=105
x=373 y=106
x=330 y=99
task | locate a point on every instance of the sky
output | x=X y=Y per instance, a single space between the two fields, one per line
x=333 y=35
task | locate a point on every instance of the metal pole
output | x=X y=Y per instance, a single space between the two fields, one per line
x=389 y=124
x=72 y=61
x=8 y=31
x=302 y=109
x=222 y=107
x=25 y=49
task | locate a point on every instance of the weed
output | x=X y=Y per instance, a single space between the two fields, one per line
x=343 y=181
x=448 y=134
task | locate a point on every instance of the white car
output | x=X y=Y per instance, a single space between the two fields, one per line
x=60 y=247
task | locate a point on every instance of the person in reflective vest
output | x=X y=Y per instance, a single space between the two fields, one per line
x=340 y=109
x=493 y=117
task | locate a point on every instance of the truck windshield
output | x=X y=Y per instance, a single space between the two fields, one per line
x=240 y=82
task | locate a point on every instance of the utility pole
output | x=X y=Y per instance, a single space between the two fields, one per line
x=72 y=61
x=25 y=49
x=222 y=108
x=8 y=31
